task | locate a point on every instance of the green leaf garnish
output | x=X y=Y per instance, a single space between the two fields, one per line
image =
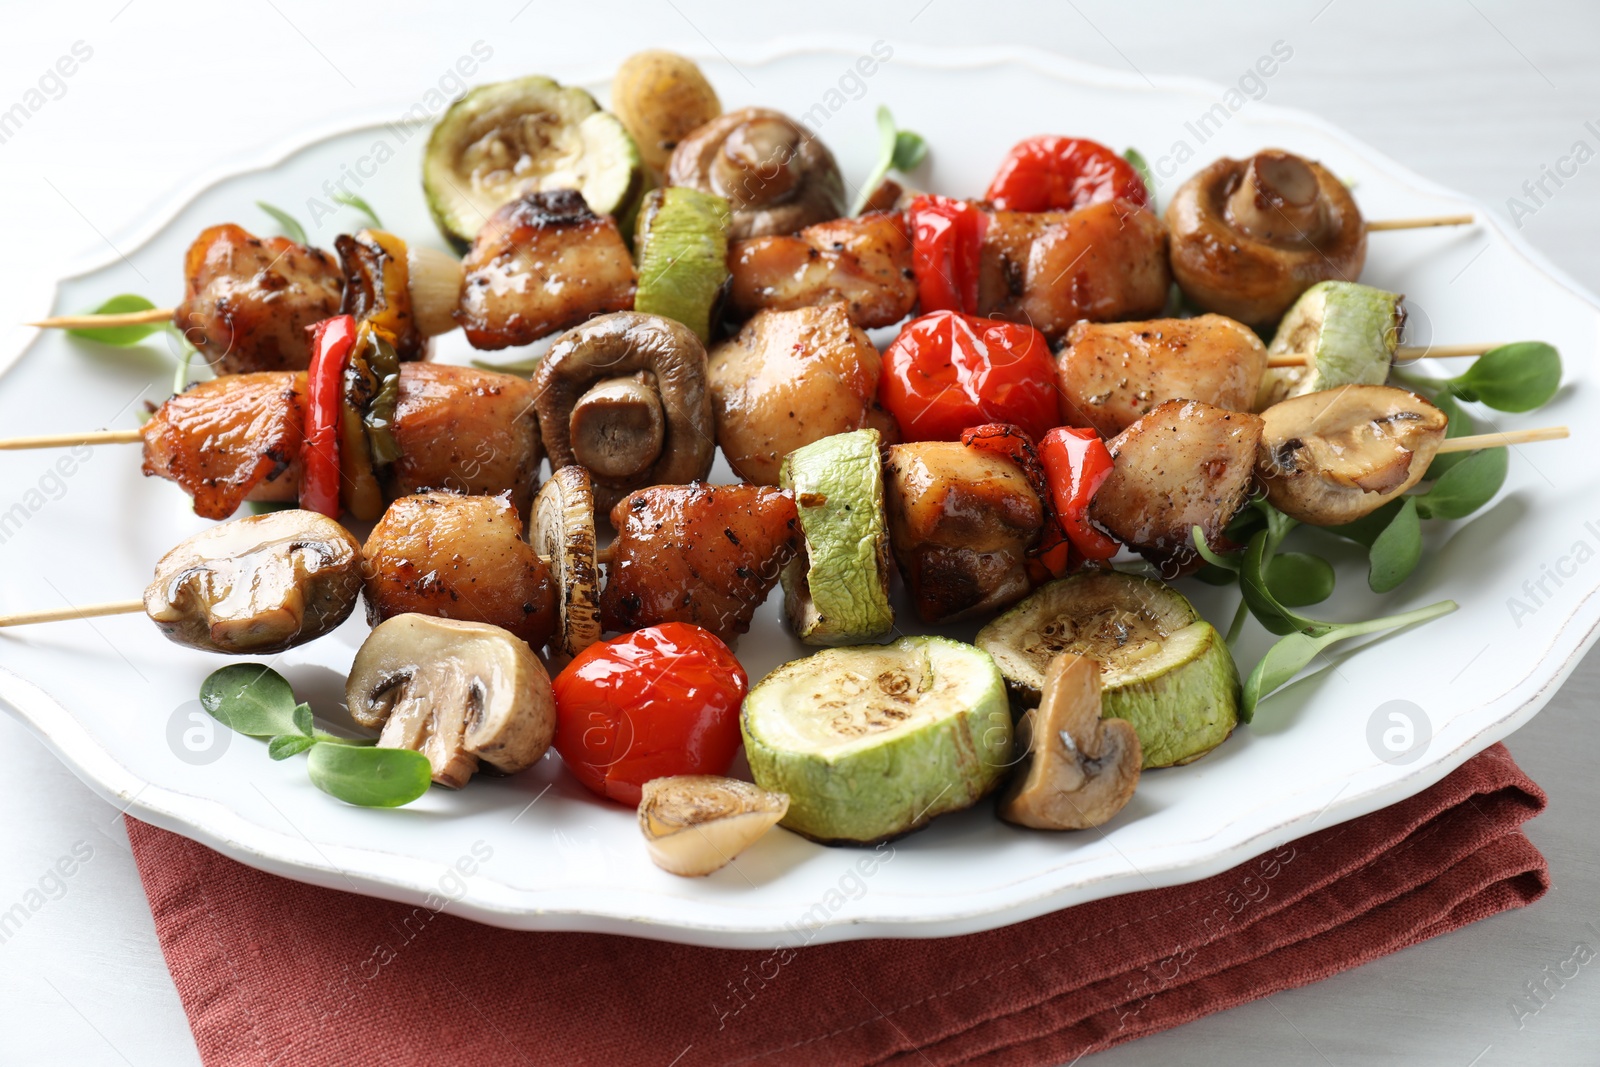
x=288 y=223
x=253 y=699
x=285 y=745
x=1295 y=651
x=180 y=378
x=121 y=336
x=369 y=777
x=1137 y=161
x=899 y=150
x=354 y=201
x=1514 y=377
x=1397 y=549
x=1207 y=554
x=1299 y=579
x=1465 y=487
x=250 y=698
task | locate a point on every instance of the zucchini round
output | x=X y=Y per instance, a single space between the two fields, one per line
x=682 y=248
x=836 y=590
x=1163 y=668
x=875 y=741
x=1347 y=335
x=506 y=139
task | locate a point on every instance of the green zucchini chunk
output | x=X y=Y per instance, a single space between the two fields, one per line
x=1347 y=335
x=682 y=249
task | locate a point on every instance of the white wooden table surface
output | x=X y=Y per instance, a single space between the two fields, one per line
x=1479 y=95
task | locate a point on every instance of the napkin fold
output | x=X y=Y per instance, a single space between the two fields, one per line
x=275 y=971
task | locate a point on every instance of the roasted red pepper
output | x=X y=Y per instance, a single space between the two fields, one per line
x=331 y=340
x=1063 y=174
x=946 y=236
x=948 y=371
x=1051 y=556
x=659 y=701
x=1077 y=463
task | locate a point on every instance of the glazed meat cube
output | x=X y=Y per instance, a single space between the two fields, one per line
x=864 y=262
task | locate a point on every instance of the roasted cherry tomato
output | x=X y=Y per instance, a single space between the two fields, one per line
x=1051 y=556
x=1077 y=463
x=1062 y=174
x=331 y=340
x=946 y=236
x=659 y=701
x=947 y=371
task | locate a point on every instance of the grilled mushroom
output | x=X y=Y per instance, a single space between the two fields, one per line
x=778 y=177
x=256 y=585
x=1335 y=456
x=1249 y=236
x=562 y=529
x=1082 y=769
x=626 y=396
x=458 y=692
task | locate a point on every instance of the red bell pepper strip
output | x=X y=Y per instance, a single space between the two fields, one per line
x=947 y=371
x=656 y=702
x=946 y=236
x=1077 y=463
x=1063 y=174
x=331 y=341
x=1051 y=556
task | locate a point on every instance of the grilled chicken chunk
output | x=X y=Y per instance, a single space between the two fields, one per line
x=1183 y=465
x=464 y=430
x=790 y=378
x=248 y=300
x=542 y=263
x=864 y=262
x=1112 y=373
x=224 y=438
x=239 y=437
x=961 y=521
x=458 y=557
x=706 y=554
x=1104 y=262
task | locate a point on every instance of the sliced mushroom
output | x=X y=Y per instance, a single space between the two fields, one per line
x=694 y=824
x=255 y=585
x=562 y=529
x=662 y=370
x=458 y=692
x=1081 y=769
x=778 y=177
x=1249 y=236
x=1335 y=456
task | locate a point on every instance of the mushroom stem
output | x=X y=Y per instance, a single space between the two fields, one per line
x=1277 y=202
x=617 y=427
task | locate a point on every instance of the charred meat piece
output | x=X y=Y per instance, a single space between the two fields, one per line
x=1112 y=373
x=704 y=554
x=1050 y=269
x=466 y=431
x=248 y=300
x=458 y=557
x=961 y=521
x=790 y=378
x=1183 y=465
x=864 y=262
x=542 y=263
x=230 y=439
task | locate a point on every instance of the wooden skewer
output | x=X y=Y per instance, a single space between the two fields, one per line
x=1497 y=440
x=101 y=322
x=1403 y=353
x=1422 y=223
x=87 y=611
x=67 y=440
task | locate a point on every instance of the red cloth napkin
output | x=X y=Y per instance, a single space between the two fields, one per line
x=273 y=971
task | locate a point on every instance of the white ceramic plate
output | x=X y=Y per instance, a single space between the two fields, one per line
x=117 y=701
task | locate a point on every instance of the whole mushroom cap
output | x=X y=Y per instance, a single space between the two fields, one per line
x=258 y=584
x=776 y=174
x=626 y=395
x=1249 y=236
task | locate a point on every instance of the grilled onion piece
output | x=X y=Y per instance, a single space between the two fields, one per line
x=562 y=529
x=694 y=824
